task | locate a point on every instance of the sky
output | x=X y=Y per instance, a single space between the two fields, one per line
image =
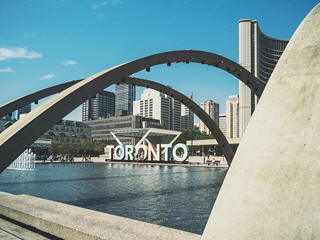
x=47 y=42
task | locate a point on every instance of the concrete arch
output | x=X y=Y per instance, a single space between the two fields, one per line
x=32 y=97
x=130 y=80
x=23 y=133
x=195 y=108
x=223 y=64
x=214 y=128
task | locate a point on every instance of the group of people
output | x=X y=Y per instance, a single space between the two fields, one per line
x=86 y=158
x=63 y=158
x=67 y=158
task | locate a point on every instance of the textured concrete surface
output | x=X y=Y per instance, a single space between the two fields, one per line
x=272 y=189
x=24 y=132
x=70 y=222
x=10 y=230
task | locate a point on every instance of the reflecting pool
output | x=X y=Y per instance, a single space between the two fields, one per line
x=172 y=196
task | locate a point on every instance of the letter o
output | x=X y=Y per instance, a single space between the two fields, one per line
x=144 y=149
x=121 y=149
x=185 y=152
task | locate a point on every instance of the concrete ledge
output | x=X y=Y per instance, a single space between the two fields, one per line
x=70 y=222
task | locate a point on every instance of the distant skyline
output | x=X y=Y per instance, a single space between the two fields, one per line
x=44 y=43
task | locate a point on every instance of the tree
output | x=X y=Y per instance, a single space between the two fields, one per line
x=54 y=148
x=190 y=134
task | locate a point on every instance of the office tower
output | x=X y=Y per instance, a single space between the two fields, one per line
x=223 y=124
x=99 y=106
x=175 y=114
x=24 y=110
x=259 y=54
x=232 y=116
x=156 y=105
x=212 y=109
x=187 y=118
x=125 y=95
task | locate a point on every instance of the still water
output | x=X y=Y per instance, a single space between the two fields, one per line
x=172 y=196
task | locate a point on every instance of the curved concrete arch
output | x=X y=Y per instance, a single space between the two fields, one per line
x=214 y=128
x=22 y=101
x=32 y=97
x=195 y=108
x=24 y=132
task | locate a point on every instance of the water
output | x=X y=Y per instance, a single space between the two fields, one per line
x=172 y=196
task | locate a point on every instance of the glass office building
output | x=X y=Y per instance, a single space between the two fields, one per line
x=125 y=95
x=99 y=106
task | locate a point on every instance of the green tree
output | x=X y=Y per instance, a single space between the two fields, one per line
x=53 y=148
x=62 y=148
x=190 y=134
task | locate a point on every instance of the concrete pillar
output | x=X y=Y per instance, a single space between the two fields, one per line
x=272 y=189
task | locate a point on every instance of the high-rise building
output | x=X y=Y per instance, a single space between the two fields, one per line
x=125 y=95
x=156 y=105
x=212 y=109
x=223 y=124
x=175 y=114
x=24 y=110
x=259 y=54
x=187 y=118
x=232 y=117
x=99 y=106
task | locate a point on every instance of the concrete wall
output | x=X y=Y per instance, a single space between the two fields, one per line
x=70 y=222
x=272 y=189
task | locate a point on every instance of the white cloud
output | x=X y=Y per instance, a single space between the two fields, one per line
x=105 y=3
x=16 y=52
x=69 y=62
x=47 y=76
x=9 y=70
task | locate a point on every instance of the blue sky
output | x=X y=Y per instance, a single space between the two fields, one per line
x=46 y=42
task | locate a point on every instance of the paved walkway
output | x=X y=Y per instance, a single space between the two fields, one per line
x=102 y=160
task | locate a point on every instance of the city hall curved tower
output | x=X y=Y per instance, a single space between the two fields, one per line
x=259 y=54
